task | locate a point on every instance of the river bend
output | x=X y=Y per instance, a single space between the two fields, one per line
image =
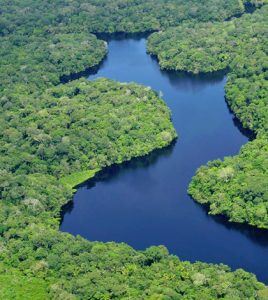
x=144 y=202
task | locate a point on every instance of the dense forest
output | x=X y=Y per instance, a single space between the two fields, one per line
x=110 y=16
x=238 y=186
x=30 y=65
x=55 y=135
x=84 y=125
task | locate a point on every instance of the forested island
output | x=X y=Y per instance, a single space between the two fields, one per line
x=56 y=134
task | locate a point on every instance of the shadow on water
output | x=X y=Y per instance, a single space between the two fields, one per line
x=85 y=73
x=238 y=124
x=256 y=235
x=120 y=36
x=112 y=172
x=198 y=80
x=144 y=201
x=180 y=79
x=249 y=9
x=183 y=79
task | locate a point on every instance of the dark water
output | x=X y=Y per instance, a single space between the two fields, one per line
x=145 y=202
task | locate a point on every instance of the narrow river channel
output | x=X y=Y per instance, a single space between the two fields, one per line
x=144 y=202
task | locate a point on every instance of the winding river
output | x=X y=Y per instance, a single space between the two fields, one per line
x=144 y=202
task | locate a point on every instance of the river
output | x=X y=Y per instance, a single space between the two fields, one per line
x=144 y=202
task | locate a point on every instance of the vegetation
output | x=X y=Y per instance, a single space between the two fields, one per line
x=14 y=285
x=67 y=267
x=77 y=178
x=256 y=3
x=32 y=64
x=244 y=196
x=84 y=125
x=110 y=16
x=54 y=136
x=236 y=187
x=208 y=47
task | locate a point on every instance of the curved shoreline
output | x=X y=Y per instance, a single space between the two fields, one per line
x=100 y=184
x=239 y=109
x=51 y=129
x=249 y=9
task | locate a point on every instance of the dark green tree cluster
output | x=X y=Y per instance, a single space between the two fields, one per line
x=31 y=64
x=236 y=187
x=256 y=3
x=209 y=47
x=110 y=16
x=83 y=125
x=193 y=47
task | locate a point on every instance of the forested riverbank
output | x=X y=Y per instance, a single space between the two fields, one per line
x=236 y=187
x=49 y=130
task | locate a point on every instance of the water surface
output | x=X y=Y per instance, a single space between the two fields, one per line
x=144 y=202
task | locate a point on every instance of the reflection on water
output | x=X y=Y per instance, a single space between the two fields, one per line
x=110 y=173
x=144 y=202
x=258 y=236
x=190 y=81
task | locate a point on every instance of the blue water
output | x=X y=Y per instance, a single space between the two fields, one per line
x=145 y=202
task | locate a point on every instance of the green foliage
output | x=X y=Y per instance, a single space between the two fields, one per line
x=208 y=47
x=239 y=45
x=33 y=252
x=39 y=62
x=55 y=136
x=84 y=125
x=256 y=3
x=199 y=47
x=78 y=269
x=110 y=16
x=34 y=195
x=263 y=294
x=77 y=178
x=236 y=187
x=244 y=197
x=17 y=287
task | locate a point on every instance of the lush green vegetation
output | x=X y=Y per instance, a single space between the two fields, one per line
x=79 y=269
x=244 y=195
x=33 y=251
x=84 y=125
x=32 y=64
x=77 y=178
x=54 y=136
x=110 y=16
x=236 y=187
x=208 y=47
x=15 y=285
x=256 y=3
x=217 y=46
